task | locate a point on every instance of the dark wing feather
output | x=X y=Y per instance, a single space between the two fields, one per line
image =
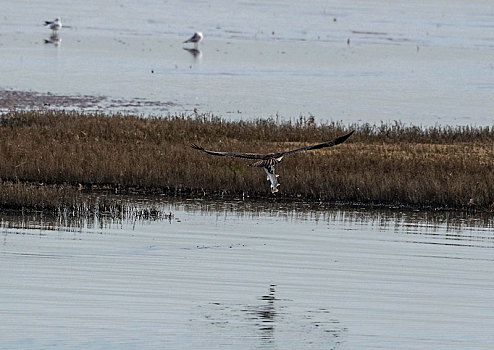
x=270 y=159
x=231 y=154
x=266 y=163
x=332 y=143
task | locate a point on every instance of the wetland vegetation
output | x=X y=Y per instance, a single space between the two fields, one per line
x=50 y=159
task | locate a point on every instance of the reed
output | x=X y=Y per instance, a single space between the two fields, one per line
x=72 y=205
x=390 y=164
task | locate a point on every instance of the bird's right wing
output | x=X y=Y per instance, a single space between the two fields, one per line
x=230 y=154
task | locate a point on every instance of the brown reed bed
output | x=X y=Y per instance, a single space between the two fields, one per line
x=69 y=203
x=388 y=164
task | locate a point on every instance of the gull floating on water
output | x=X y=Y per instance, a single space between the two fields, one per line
x=269 y=160
x=195 y=39
x=54 y=25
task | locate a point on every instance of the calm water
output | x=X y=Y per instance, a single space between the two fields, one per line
x=420 y=62
x=248 y=275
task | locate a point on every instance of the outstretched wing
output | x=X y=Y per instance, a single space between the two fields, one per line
x=270 y=159
x=230 y=154
x=332 y=143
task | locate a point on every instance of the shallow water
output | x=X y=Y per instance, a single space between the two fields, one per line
x=248 y=275
x=421 y=62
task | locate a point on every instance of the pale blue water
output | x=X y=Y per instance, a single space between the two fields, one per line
x=419 y=62
x=249 y=275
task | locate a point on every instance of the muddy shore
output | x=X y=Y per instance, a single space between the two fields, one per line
x=32 y=100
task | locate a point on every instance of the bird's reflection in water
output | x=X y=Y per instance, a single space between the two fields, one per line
x=265 y=315
x=196 y=53
x=273 y=315
x=273 y=322
x=54 y=39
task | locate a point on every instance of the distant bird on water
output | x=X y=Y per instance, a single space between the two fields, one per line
x=54 y=25
x=269 y=160
x=195 y=39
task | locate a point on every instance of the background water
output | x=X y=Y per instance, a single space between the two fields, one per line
x=248 y=275
x=420 y=62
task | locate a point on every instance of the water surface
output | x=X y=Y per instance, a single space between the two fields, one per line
x=417 y=62
x=248 y=275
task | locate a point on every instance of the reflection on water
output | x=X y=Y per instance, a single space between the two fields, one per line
x=266 y=314
x=122 y=210
x=330 y=212
x=139 y=209
x=195 y=53
x=223 y=274
x=451 y=224
x=431 y=227
x=54 y=39
x=273 y=320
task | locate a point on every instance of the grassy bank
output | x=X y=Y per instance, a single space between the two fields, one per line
x=70 y=202
x=448 y=167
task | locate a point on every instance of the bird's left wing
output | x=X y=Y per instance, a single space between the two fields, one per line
x=230 y=154
x=331 y=143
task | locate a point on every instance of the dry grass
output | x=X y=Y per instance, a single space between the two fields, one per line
x=70 y=203
x=386 y=164
x=58 y=199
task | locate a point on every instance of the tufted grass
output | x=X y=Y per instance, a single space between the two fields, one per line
x=57 y=155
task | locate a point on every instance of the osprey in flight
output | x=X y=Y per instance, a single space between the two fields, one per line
x=269 y=160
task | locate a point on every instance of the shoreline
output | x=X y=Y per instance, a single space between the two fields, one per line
x=29 y=100
x=105 y=203
x=71 y=153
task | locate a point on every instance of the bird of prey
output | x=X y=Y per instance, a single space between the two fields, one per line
x=54 y=25
x=195 y=39
x=269 y=160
